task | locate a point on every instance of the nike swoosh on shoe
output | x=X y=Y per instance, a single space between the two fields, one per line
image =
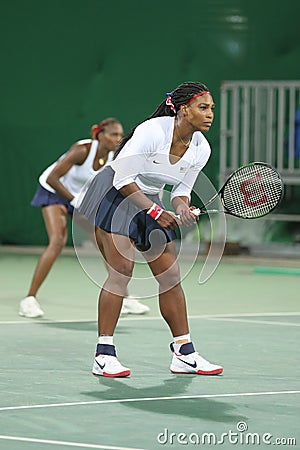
x=194 y=365
x=101 y=367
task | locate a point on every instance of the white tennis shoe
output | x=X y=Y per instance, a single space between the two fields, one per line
x=193 y=363
x=109 y=366
x=132 y=305
x=30 y=307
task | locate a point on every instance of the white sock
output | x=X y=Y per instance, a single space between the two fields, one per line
x=106 y=340
x=180 y=340
x=183 y=339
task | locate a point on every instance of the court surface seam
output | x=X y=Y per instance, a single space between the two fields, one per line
x=147 y=399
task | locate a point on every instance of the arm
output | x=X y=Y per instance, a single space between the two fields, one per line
x=181 y=193
x=181 y=205
x=76 y=155
x=131 y=162
x=165 y=220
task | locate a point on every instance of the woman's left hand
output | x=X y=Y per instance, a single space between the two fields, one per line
x=187 y=218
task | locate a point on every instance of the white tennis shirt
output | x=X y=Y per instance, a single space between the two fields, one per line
x=144 y=159
x=77 y=177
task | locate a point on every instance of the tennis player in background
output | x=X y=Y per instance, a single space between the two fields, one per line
x=58 y=192
x=123 y=201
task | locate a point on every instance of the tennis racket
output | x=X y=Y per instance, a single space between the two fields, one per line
x=252 y=191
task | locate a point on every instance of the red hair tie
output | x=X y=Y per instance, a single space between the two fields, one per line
x=96 y=129
x=170 y=103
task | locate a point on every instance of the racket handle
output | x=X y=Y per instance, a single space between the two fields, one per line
x=196 y=213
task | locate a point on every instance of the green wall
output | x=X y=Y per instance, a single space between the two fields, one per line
x=68 y=64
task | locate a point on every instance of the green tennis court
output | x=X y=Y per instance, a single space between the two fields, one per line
x=244 y=319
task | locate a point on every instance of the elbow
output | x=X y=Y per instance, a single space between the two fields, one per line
x=126 y=190
x=123 y=184
x=51 y=180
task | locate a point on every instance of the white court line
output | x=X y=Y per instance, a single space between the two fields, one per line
x=141 y=318
x=66 y=443
x=264 y=322
x=257 y=314
x=147 y=399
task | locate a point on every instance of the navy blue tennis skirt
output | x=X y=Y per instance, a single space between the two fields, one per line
x=43 y=197
x=109 y=210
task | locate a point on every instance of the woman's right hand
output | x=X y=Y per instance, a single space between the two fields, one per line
x=168 y=220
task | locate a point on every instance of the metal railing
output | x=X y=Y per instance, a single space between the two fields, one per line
x=260 y=121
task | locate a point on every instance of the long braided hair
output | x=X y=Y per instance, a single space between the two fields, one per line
x=180 y=96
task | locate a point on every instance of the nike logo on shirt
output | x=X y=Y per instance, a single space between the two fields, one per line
x=156 y=162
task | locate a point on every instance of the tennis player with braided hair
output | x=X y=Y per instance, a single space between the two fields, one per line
x=124 y=203
x=58 y=191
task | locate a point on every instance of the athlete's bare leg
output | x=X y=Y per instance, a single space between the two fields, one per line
x=55 y=218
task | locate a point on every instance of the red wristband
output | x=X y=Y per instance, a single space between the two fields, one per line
x=155 y=211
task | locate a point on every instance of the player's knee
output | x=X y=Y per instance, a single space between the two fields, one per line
x=121 y=272
x=118 y=279
x=57 y=243
x=169 y=279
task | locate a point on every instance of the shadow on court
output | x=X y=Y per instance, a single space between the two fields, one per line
x=200 y=408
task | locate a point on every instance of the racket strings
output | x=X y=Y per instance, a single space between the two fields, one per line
x=253 y=191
